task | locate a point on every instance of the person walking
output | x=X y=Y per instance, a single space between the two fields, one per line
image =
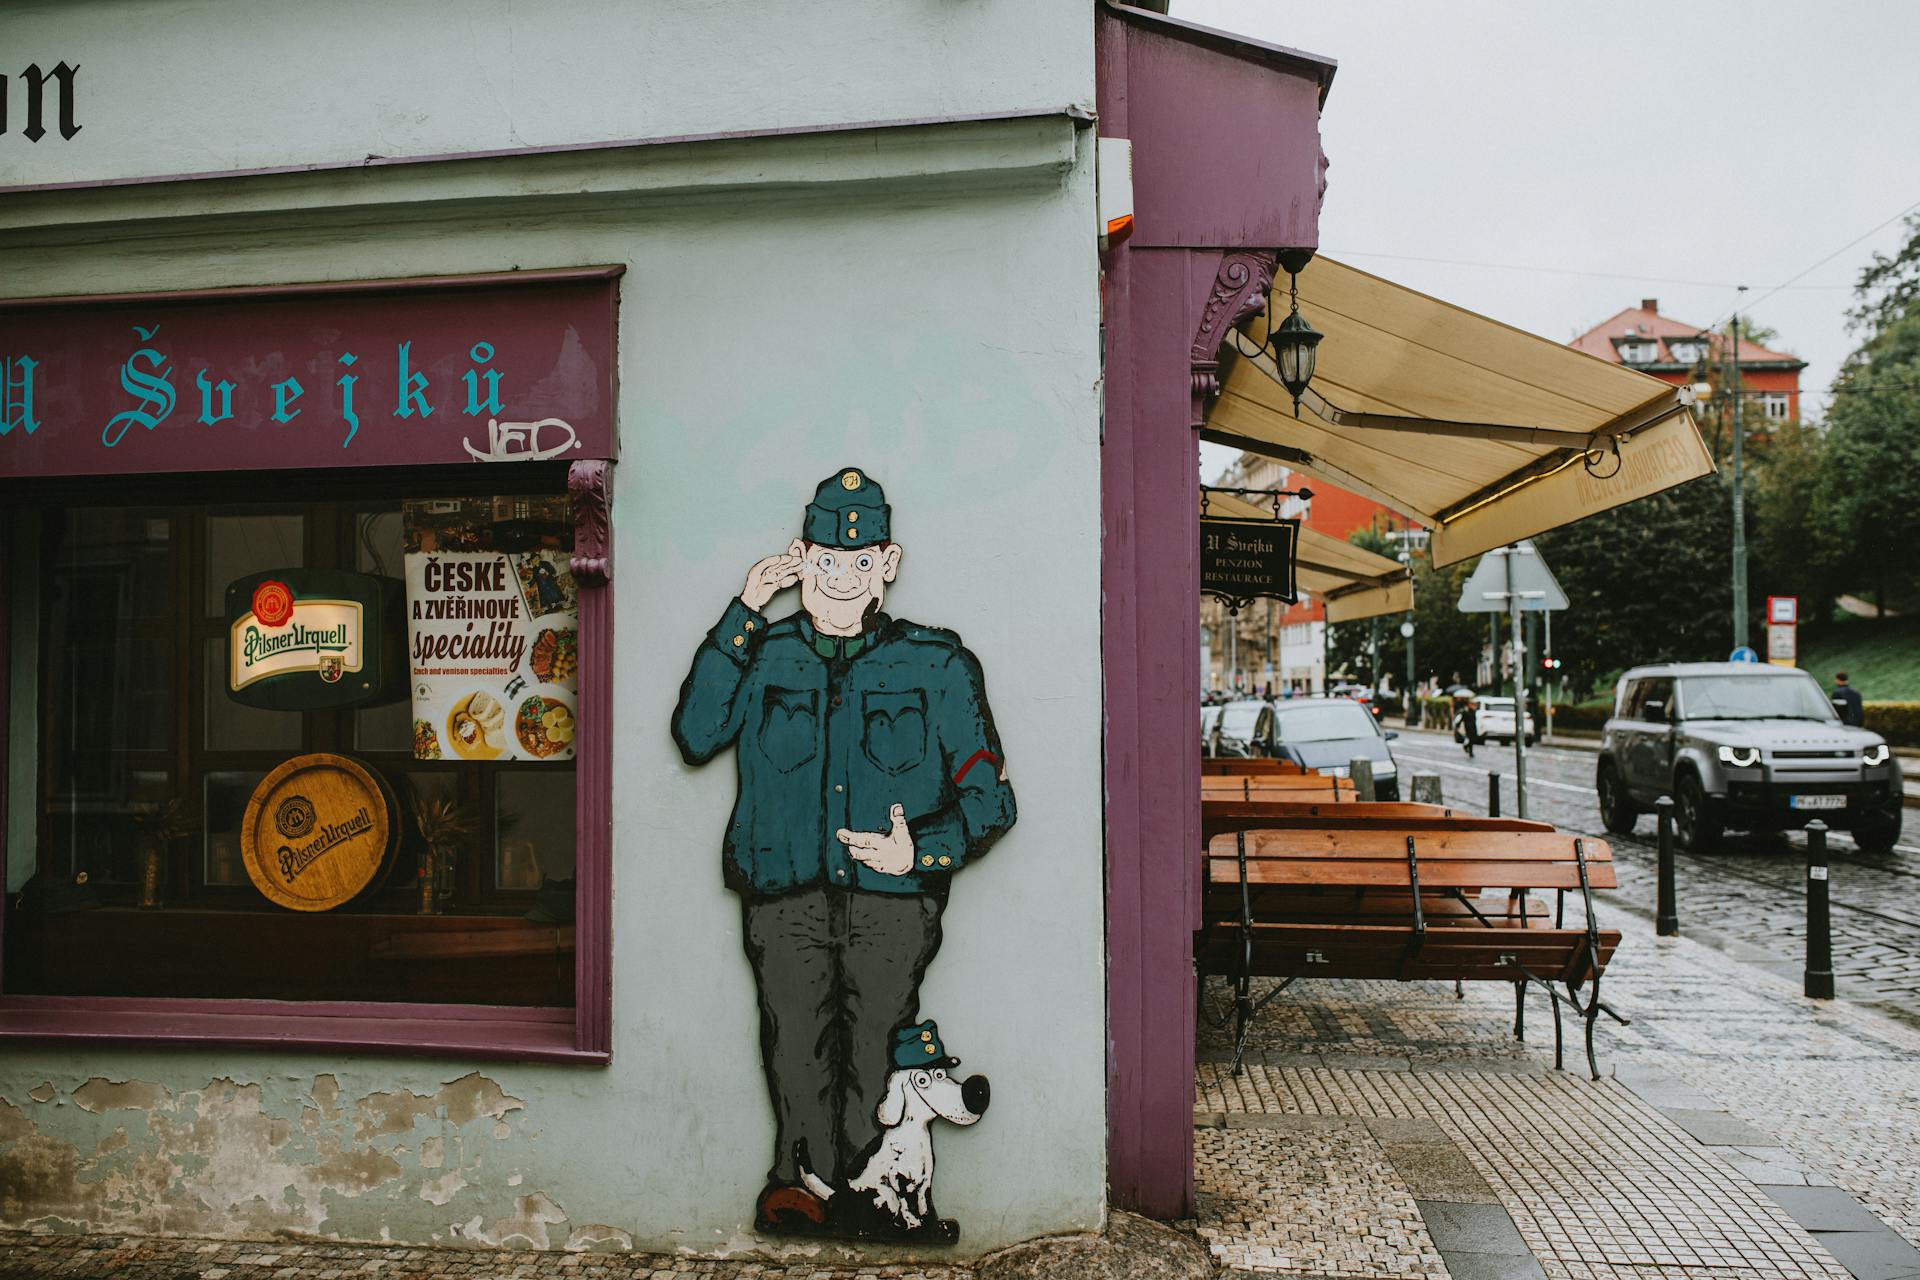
x=1469 y=727
x=1847 y=702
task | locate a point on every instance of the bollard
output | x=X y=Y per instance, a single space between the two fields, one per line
x=1819 y=926
x=1360 y=769
x=1493 y=794
x=1666 y=920
x=1426 y=789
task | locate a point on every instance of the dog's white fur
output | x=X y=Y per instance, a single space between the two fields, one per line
x=899 y=1174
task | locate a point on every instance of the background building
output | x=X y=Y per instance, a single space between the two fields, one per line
x=1681 y=353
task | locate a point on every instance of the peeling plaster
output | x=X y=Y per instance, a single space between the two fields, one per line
x=272 y=1158
x=99 y=1094
x=597 y=1237
x=442 y=1189
x=526 y=1226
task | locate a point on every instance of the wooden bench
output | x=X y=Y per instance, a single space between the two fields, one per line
x=1401 y=899
x=1256 y=766
x=1277 y=786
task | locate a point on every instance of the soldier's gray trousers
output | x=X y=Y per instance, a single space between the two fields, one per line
x=837 y=972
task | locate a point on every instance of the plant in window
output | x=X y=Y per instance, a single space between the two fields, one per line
x=444 y=825
x=160 y=825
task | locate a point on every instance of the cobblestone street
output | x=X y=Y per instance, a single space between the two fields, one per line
x=1751 y=894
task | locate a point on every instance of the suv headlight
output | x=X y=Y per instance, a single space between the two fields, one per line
x=1740 y=757
x=1876 y=754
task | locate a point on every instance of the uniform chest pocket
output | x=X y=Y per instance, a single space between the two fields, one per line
x=790 y=727
x=894 y=736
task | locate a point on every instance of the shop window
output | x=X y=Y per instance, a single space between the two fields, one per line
x=233 y=778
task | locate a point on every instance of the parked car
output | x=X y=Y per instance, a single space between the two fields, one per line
x=1754 y=748
x=1495 y=718
x=1360 y=694
x=1245 y=728
x=1209 y=724
x=1327 y=734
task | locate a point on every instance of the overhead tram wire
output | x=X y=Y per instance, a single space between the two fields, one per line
x=1561 y=271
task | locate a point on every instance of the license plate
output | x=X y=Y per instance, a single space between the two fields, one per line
x=1817 y=802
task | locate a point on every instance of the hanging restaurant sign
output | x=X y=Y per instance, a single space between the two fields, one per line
x=308 y=639
x=1245 y=560
x=507 y=368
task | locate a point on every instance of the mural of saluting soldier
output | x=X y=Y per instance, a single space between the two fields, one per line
x=870 y=773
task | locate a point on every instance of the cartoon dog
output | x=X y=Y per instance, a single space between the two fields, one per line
x=892 y=1195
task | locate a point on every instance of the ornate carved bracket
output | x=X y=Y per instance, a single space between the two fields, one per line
x=1239 y=290
x=590 y=486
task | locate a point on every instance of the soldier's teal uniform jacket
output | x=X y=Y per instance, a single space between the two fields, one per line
x=831 y=733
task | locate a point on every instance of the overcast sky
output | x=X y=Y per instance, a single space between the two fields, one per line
x=1670 y=151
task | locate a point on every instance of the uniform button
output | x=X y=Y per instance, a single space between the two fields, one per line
x=749 y=624
x=836 y=702
x=945 y=861
x=926 y=1037
x=842 y=873
x=738 y=641
x=926 y=860
x=852 y=516
x=838 y=787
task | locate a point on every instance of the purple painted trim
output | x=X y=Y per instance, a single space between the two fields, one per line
x=1319 y=66
x=1077 y=114
x=1239 y=291
x=465 y=1031
x=590 y=485
x=548 y=276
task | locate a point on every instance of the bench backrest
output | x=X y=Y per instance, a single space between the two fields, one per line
x=1277 y=786
x=1380 y=858
x=1222 y=815
x=1255 y=766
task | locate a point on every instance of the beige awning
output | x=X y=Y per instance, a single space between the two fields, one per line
x=1483 y=433
x=1352 y=581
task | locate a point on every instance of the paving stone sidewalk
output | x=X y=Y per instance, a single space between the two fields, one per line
x=1739 y=1130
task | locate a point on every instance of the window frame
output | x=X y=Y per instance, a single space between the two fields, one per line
x=580 y=1034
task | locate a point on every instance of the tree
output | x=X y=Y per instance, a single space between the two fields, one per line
x=1647 y=582
x=1446 y=642
x=1865 y=505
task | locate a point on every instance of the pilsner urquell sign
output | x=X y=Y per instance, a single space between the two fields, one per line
x=1245 y=560
x=304 y=639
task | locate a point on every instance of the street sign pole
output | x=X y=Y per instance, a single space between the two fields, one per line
x=1519 y=696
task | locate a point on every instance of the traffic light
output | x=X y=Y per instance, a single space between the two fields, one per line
x=1551 y=664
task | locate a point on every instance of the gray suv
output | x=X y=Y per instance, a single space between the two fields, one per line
x=1755 y=748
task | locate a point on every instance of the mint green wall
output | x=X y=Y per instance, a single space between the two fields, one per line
x=923 y=305
x=217 y=85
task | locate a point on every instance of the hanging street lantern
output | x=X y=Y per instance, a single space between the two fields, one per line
x=1293 y=341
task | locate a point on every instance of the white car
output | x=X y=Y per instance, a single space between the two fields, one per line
x=1495 y=716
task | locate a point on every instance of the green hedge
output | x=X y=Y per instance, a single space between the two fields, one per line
x=1897 y=722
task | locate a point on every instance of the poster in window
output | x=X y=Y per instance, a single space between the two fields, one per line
x=492 y=628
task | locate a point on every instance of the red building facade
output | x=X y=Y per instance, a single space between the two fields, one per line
x=1680 y=353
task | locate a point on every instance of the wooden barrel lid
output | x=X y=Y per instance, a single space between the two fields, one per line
x=318 y=832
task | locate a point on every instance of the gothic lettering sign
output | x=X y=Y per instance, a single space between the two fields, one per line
x=1244 y=560
x=495 y=369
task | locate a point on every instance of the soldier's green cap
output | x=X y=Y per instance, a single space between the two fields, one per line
x=919 y=1046
x=848 y=510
